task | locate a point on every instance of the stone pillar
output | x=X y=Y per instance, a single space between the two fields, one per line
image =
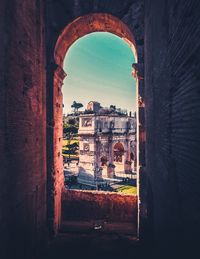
x=97 y=151
x=57 y=175
x=110 y=148
x=128 y=150
x=111 y=170
x=138 y=73
x=128 y=153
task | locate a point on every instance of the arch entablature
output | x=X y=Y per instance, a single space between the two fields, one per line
x=96 y=22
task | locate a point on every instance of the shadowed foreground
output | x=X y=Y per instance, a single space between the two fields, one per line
x=93 y=245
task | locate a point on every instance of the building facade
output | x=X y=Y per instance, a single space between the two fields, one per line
x=107 y=144
x=93 y=106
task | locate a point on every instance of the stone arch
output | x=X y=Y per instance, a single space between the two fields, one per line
x=95 y=22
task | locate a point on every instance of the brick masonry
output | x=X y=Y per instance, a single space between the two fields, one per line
x=172 y=57
x=168 y=46
x=125 y=20
x=111 y=207
x=23 y=128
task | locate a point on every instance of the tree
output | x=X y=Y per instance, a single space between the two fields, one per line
x=76 y=106
x=70 y=131
x=72 y=121
x=113 y=107
x=72 y=148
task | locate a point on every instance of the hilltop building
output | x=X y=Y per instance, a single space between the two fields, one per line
x=93 y=106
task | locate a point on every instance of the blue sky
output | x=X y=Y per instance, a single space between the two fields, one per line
x=98 y=68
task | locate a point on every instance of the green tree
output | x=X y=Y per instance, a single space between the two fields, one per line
x=72 y=148
x=76 y=106
x=113 y=107
x=72 y=121
x=70 y=131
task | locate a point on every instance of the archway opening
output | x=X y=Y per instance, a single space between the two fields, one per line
x=77 y=29
x=104 y=161
x=118 y=152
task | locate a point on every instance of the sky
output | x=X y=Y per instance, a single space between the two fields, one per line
x=98 y=68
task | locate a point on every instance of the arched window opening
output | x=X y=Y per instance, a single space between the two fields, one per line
x=98 y=66
x=97 y=148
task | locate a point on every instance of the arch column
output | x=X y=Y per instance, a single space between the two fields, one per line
x=138 y=74
x=59 y=76
x=56 y=176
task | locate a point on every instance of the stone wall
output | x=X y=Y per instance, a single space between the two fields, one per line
x=93 y=205
x=22 y=128
x=172 y=103
x=124 y=19
x=172 y=95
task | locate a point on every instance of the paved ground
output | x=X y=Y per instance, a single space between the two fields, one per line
x=81 y=240
x=93 y=246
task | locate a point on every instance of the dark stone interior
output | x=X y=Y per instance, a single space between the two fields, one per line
x=167 y=38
